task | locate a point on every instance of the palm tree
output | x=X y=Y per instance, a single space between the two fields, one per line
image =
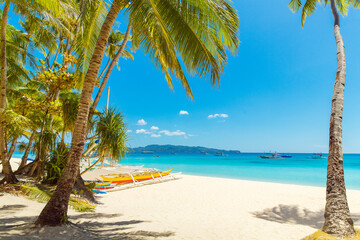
x=55 y=210
x=337 y=215
x=198 y=31
x=113 y=46
x=37 y=5
x=8 y=173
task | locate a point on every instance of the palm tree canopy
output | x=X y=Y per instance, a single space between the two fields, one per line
x=198 y=31
x=309 y=6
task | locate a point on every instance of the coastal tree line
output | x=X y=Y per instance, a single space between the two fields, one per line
x=64 y=49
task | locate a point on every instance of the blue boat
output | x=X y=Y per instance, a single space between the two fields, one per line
x=286 y=156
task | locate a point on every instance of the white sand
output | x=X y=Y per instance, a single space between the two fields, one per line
x=190 y=208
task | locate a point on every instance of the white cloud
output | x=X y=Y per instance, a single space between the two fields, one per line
x=182 y=112
x=218 y=115
x=142 y=131
x=129 y=131
x=154 y=128
x=141 y=122
x=155 y=135
x=175 y=133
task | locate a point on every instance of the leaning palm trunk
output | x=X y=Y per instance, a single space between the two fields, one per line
x=112 y=65
x=12 y=149
x=337 y=215
x=109 y=70
x=9 y=175
x=55 y=211
x=27 y=151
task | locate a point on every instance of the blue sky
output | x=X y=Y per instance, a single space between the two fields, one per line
x=275 y=94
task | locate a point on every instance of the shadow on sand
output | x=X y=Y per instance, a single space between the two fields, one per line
x=296 y=215
x=82 y=226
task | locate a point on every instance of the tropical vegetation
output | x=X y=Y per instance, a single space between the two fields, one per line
x=62 y=50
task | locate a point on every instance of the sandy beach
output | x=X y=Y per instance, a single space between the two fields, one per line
x=192 y=207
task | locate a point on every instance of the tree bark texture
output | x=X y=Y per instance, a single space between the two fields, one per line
x=55 y=211
x=337 y=215
x=82 y=190
x=8 y=173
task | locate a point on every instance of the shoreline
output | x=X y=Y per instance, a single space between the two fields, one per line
x=264 y=181
x=15 y=161
x=193 y=207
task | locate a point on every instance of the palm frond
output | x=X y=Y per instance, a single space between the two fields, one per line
x=199 y=32
x=295 y=5
x=111 y=130
x=354 y=3
x=342 y=6
x=53 y=6
x=308 y=9
x=34 y=193
x=310 y=6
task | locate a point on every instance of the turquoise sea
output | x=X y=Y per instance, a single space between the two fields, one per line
x=300 y=169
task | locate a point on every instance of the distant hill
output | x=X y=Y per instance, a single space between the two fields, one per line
x=179 y=149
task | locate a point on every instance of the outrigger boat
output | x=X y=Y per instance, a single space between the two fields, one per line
x=107 y=187
x=317 y=156
x=99 y=184
x=135 y=178
x=272 y=156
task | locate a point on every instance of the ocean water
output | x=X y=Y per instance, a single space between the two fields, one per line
x=300 y=169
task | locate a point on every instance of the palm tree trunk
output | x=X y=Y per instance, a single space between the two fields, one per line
x=112 y=65
x=63 y=137
x=55 y=211
x=36 y=168
x=9 y=175
x=12 y=149
x=103 y=71
x=337 y=215
x=27 y=151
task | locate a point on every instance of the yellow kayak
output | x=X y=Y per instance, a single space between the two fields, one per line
x=137 y=178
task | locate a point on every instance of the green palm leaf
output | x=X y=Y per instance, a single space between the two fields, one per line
x=35 y=193
x=309 y=7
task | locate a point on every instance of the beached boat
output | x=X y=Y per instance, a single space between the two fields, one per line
x=135 y=178
x=106 y=187
x=98 y=184
x=98 y=191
